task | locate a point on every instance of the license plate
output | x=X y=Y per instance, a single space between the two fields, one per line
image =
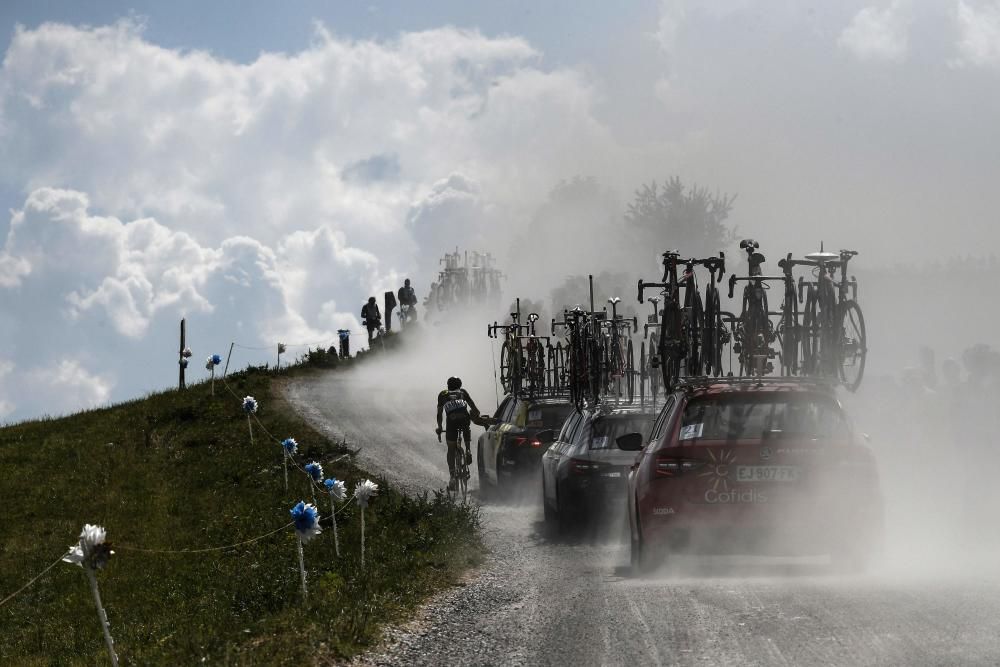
x=611 y=474
x=766 y=473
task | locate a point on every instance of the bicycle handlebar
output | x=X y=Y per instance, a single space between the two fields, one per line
x=734 y=278
x=644 y=285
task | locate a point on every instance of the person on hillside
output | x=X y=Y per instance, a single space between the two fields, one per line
x=407 y=298
x=371 y=317
x=458 y=410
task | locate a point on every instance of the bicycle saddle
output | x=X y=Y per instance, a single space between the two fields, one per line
x=822 y=256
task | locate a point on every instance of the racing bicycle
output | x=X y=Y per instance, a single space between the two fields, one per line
x=459 y=480
x=834 y=342
x=754 y=332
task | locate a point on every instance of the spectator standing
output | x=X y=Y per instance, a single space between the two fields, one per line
x=371 y=317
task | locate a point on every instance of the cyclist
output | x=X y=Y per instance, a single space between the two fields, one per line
x=458 y=409
x=408 y=297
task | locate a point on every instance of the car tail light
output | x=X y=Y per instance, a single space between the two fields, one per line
x=585 y=467
x=526 y=442
x=674 y=467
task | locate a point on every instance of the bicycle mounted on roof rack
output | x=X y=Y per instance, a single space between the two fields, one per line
x=833 y=338
x=529 y=363
x=682 y=335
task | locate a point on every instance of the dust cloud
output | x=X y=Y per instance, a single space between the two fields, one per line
x=927 y=406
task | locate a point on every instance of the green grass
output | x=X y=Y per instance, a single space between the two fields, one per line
x=176 y=470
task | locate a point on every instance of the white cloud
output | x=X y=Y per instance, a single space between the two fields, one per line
x=668 y=25
x=878 y=34
x=979 y=34
x=63 y=386
x=264 y=201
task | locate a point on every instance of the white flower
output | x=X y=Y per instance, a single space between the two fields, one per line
x=336 y=488
x=364 y=491
x=249 y=404
x=91 y=551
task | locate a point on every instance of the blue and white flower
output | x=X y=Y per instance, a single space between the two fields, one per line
x=306 y=519
x=249 y=405
x=92 y=551
x=364 y=491
x=315 y=471
x=290 y=446
x=336 y=487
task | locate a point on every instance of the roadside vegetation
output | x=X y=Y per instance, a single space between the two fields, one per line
x=176 y=471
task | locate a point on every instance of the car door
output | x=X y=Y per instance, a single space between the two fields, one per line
x=569 y=446
x=550 y=460
x=494 y=434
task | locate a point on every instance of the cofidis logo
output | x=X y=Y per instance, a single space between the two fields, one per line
x=735 y=497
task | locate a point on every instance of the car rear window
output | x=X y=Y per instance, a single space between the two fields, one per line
x=758 y=417
x=606 y=430
x=547 y=416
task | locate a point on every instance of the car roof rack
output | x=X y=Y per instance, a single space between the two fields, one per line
x=692 y=383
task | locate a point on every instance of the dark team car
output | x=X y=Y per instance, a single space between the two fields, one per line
x=584 y=473
x=753 y=466
x=509 y=449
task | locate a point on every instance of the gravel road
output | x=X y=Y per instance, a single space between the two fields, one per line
x=539 y=602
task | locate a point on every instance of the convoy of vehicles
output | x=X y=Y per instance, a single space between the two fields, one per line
x=760 y=459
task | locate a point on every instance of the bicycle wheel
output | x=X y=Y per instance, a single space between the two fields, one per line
x=577 y=375
x=671 y=345
x=830 y=333
x=853 y=346
x=810 y=335
x=756 y=330
x=788 y=334
x=505 y=366
x=710 y=333
x=694 y=325
x=642 y=373
x=463 y=482
x=630 y=371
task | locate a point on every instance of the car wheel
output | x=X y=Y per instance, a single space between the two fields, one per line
x=547 y=511
x=501 y=489
x=565 y=518
x=638 y=551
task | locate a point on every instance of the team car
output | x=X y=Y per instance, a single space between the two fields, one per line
x=584 y=473
x=753 y=466
x=509 y=449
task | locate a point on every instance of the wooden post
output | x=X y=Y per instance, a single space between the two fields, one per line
x=226 y=367
x=181 y=360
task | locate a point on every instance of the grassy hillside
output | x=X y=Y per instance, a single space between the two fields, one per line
x=177 y=471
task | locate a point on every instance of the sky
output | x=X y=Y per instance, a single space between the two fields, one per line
x=260 y=169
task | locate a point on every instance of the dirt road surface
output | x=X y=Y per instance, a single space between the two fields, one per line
x=539 y=601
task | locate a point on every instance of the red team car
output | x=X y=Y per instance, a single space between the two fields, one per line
x=753 y=465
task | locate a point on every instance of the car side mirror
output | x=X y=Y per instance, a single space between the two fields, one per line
x=546 y=437
x=630 y=442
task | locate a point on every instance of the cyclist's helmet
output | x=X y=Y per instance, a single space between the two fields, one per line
x=454 y=383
